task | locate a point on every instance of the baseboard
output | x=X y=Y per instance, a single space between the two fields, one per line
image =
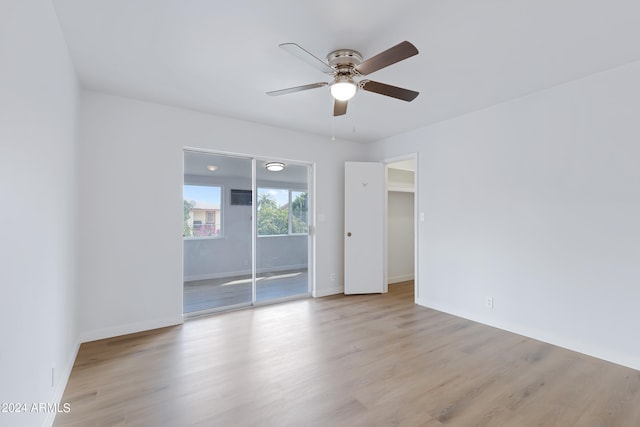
x=243 y=272
x=630 y=361
x=130 y=328
x=398 y=279
x=325 y=292
x=58 y=392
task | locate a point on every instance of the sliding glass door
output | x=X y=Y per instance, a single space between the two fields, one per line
x=217 y=238
x=245 y=232
x=282 y=230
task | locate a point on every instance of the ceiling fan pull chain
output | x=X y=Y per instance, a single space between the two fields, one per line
x=333 y=128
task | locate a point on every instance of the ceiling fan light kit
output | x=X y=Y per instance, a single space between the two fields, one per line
x=343 y=89
x=345 y=65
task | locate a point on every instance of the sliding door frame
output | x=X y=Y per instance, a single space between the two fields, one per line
x=311 y=259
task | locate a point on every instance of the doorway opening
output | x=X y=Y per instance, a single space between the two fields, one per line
x=245 y=232
x=401 y=224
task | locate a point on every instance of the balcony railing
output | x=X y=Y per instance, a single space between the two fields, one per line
x=203 y=230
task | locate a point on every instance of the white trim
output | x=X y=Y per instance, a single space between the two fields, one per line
x=398 y=279
x=62 y=385
x=334 y=290
x=631 y=361
x=416 y=226
x=130 y=328
x=424 y=303
x=385 y=228
x=416 y=219
x=311 y=235
x=254 y=229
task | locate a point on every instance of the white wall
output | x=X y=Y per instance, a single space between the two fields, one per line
x=400 y=236
x=536 y=202
x=132 y=155
x=38 y=100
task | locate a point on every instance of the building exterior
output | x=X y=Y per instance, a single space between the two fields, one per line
x=204 y=219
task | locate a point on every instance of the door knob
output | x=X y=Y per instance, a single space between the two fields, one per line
x=349 y=234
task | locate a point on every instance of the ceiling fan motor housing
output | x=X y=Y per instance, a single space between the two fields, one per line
x=344 y=58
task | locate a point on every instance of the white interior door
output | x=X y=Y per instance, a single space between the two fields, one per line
x=364 y=270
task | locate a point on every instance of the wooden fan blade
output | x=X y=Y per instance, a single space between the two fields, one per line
x=301 y=53
x=340 y=108
x=390 y=56
x=388 y=90
x=297 y=89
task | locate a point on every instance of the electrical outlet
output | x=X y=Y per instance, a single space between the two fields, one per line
x=488 y=302
x=332 y=277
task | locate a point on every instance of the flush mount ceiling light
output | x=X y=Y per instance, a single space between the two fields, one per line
x=274 y=166
x=212 y=168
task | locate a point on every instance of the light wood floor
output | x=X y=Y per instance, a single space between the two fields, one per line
x=374 y=360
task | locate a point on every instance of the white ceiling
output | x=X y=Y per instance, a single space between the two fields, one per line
x=222 y=56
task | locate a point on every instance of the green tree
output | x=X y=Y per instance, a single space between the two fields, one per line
x=299 y=214
x=266 y=200
x=272 y=219
x=186 y=230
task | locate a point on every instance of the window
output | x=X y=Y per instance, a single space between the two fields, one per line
x=282 y=212
x=299 y=212
x=202 y=211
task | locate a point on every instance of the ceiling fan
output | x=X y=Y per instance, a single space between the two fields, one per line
x=345 y=65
